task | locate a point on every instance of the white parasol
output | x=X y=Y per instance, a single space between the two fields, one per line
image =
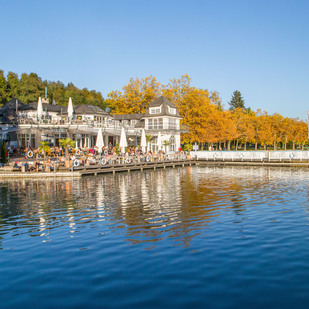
x=123 y=141
x=159 y=141
x=100 y=142
x=39 y=108
x=70 y=108
x=143 y=141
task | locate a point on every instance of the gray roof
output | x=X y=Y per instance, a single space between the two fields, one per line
x=8 y=110
x=9 y=107
x=46 y=106
x=164 y=102
x=89 y=109
x=128 y=116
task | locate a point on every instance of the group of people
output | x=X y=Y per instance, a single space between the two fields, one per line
x=31 y=166
x=32 y=159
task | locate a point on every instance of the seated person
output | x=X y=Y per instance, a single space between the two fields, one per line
x=16 y=165
x=38 y=165
x=26 y=165
x=50 y=165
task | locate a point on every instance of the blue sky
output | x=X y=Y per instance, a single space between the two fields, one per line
x=258 y=47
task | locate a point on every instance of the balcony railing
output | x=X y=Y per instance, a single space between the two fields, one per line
x=87 y=122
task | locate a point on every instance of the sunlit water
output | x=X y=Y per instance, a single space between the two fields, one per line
x=177 y=238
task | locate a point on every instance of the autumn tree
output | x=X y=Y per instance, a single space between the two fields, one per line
x=177 y=91
x=266 y=137
x=299 y=133
x=135 y=96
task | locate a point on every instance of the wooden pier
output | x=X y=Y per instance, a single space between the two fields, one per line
x=139 y=166
x=98 y=169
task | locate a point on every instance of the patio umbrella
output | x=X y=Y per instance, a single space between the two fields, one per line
x=143 y=141
x=70 y=108
x=39 y=108
x=100 y=142
x=159 y=141
x=123 y=141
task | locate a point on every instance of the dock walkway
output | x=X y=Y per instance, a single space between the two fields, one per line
x=98 y=169
x=140 y=166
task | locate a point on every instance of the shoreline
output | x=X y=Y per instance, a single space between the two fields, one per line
x=95 y=170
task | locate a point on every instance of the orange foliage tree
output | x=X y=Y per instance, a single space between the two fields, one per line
x=208 y=121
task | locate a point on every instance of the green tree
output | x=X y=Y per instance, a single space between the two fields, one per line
x=148 y=140
x=44 y=148
x=12 y=85
x=3 y=88
x=3 y=153
x=188 y=148
x=165 y=144
x=237 y=101
x=66 y=143
x=30 y=88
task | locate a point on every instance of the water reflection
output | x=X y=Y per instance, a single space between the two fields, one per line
x=175 y=204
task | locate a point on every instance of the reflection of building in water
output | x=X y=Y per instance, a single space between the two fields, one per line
x=158 y=203
x=147 y=206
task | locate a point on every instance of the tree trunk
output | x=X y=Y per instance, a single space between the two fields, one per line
x=255 y=146
x=275 y=145
x=245 y=146
x=228 y=145
x=293 y=145
x=265 y=147
x=236 y=147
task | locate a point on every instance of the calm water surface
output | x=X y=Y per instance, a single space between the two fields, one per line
x=200 y=237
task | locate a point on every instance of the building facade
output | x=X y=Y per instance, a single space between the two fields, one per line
x=24 y=125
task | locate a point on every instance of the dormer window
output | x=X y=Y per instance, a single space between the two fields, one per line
x=155 y=110
x=172 y=110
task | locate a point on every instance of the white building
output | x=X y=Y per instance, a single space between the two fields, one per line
x=27 y=125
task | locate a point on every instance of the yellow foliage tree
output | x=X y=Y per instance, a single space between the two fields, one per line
x=135 y=96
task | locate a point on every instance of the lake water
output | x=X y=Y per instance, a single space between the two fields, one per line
x=193 y=237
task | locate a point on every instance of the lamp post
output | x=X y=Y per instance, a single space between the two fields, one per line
x=76 y=136
x=104 y=135
x=136 y=137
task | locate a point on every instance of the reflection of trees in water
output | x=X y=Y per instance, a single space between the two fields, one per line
x=148 y=205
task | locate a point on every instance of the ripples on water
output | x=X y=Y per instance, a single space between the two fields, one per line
x=202 y=237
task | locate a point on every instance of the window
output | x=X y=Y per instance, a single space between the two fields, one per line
x=154 y=144
x=155 y=124
x=172 y=110
x=125 y=123
x=172 y=124
x=172 y=143
x=155 y=110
